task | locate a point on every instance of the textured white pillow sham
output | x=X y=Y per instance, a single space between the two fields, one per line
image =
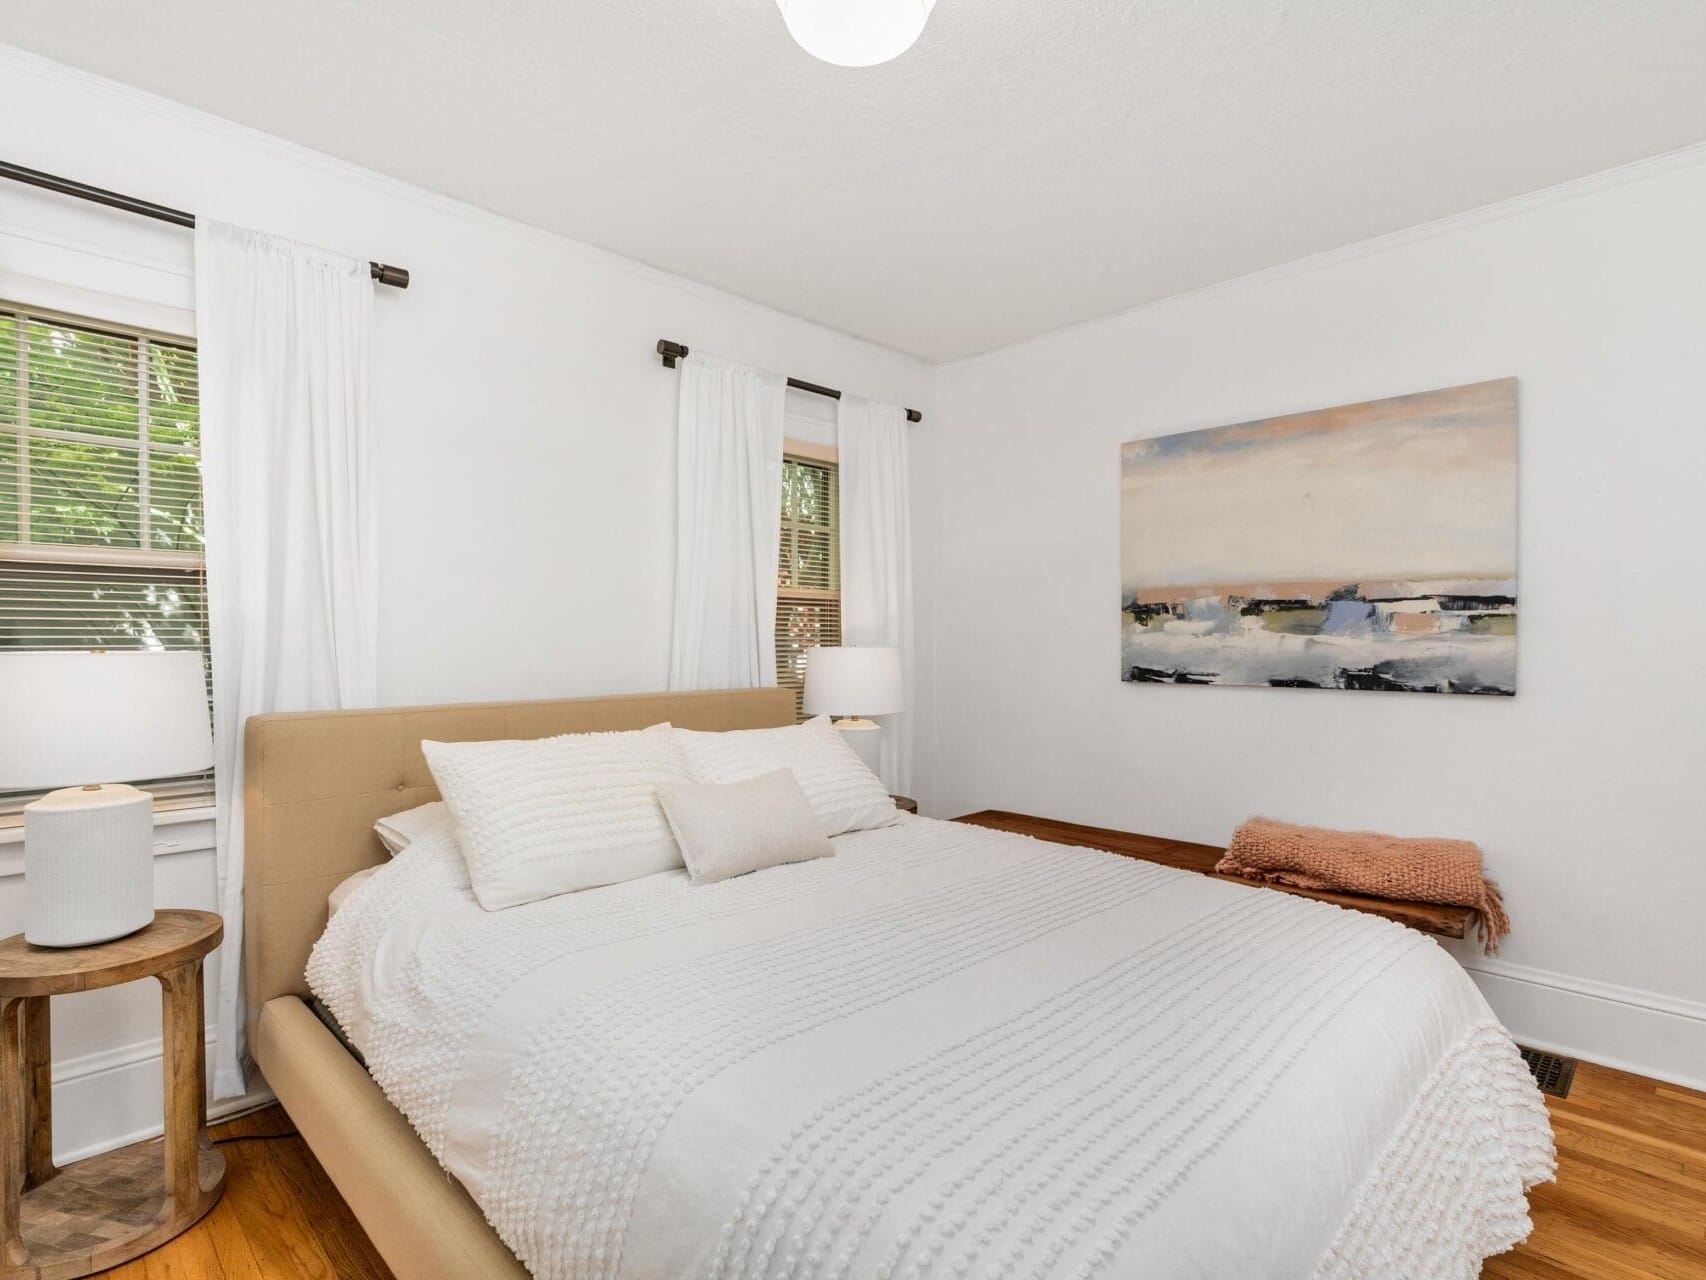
x=730 y=828
x=400 y=829
x=554 y=815
x=845 y=795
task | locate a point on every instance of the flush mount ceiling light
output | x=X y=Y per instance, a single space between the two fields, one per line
x=855 y=33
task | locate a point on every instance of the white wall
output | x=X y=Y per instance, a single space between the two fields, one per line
x=1582 y=788
x=526 y=434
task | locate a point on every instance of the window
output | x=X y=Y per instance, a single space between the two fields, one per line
x=100 y=498
x=808 y=582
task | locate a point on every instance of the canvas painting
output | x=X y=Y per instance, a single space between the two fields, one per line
x=1371 y=546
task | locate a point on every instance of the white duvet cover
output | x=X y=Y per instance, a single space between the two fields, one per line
x=943 y=1052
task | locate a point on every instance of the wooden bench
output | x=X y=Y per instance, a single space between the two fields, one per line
x=1445 y=922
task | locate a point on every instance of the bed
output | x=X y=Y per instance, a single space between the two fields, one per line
x=945 y=1051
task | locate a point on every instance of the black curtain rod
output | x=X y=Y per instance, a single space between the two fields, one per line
x=380 y=271
x=673 y=351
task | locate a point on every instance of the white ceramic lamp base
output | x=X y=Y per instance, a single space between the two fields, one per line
x=88 y=865
x=866 y=738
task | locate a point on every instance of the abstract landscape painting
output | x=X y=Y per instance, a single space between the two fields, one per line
x=1371 y=546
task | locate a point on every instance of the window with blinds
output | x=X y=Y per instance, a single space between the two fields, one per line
x=100 y=499
x=808 y=584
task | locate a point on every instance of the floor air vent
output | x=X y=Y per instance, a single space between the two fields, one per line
x=1552 y=1071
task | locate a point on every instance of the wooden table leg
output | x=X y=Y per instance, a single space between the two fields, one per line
x=14 y=1157
x=38 y=1098
x=185 y=1082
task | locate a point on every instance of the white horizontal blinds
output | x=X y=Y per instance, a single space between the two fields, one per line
x=100 y=498
x=808 y=583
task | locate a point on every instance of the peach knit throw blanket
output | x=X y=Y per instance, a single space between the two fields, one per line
x=1413 y=870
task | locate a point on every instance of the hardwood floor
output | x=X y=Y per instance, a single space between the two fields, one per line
x=1630 y=1199
x=281 y=1217
x=1629 y=1203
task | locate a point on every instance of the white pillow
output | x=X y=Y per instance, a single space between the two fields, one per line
x=341 y=894
x=400 y=829
x=730 y=828
x=554 y=815
x=845 y=795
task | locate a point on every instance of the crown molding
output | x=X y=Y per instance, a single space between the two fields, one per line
x=1589 y=185
x=22 y=62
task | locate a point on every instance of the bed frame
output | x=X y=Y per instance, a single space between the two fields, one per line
x=314 y=784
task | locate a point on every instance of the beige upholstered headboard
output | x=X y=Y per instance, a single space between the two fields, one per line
x=315 y=782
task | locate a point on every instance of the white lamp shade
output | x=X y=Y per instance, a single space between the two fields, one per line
x=853 y=681
x=855 y=33
x=94 y=716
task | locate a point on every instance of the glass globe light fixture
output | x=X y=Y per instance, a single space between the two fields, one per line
x=855 y=33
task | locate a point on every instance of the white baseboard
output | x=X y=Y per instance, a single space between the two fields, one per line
x=1650 y=1034
x=115 y=1097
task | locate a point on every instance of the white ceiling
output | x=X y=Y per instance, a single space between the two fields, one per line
x=1029 y=164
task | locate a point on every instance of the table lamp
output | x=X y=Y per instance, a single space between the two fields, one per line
x=70 y=716
x=855 y=682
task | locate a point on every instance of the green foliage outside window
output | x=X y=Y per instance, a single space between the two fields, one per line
x=99 y=449
x=808 y=558
x=808 y=577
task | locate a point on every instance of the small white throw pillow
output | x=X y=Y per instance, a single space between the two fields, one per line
x=730 y=828
x=555 y=815
x=845 y=795
x=398 y=831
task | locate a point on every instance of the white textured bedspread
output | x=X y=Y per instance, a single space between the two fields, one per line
x=944 y=1052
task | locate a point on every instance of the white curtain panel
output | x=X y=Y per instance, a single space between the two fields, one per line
x=287 y=472
x=876 y=555
x=728 y=525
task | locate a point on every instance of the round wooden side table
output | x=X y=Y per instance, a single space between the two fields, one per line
x=56 y=1224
